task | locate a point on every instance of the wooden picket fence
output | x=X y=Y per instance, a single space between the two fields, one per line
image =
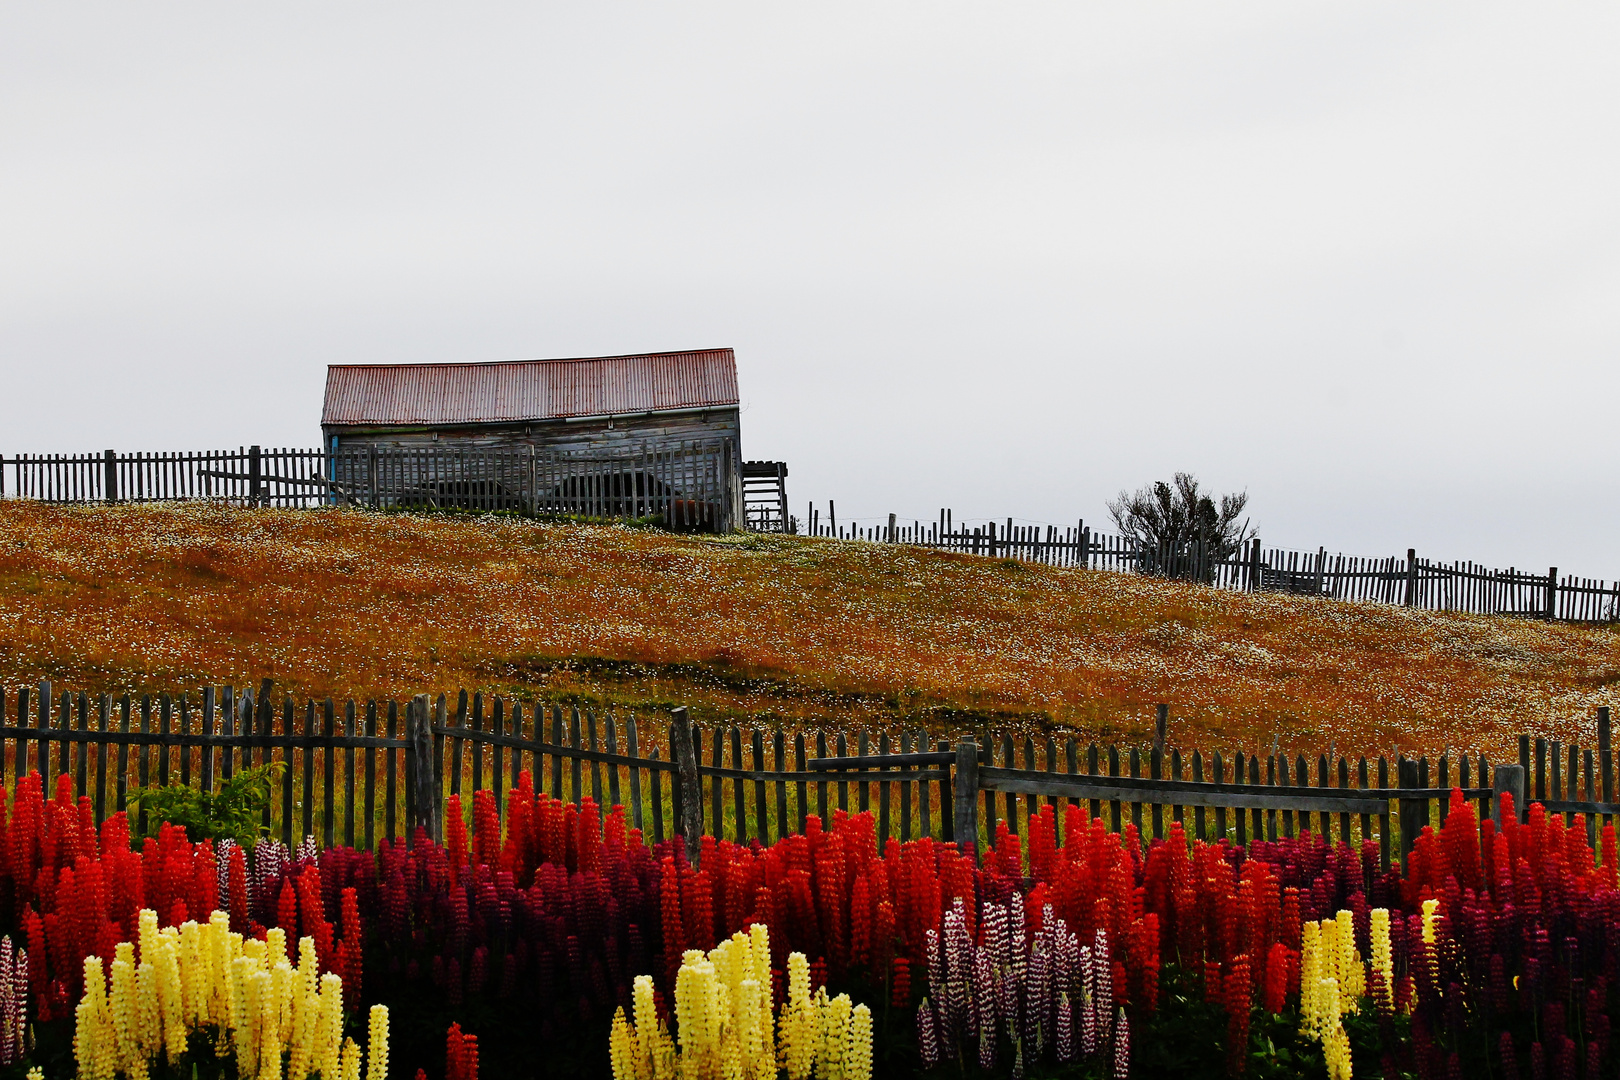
x=1411 y=581
x=690 y=483
x=358 y=773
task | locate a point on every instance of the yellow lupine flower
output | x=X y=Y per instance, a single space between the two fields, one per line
x=220 y=984
x=1426 y=956
x=377 y=1044
x=655 y=1053
x=175 y=1031
x=750 y=1039
x=95 y=1040
x=283 y=985
x=858 y=1058
x=244 y=1014
x=124 y=1006
x=1352 y=971
x=195 y=978
x=730 y=1060
x=146 y=932
x=275 y=947
x=329 y=1032
x=306 y=1008
x=1335 y=1042
x=1331 y=958
x=1310 y=974
x=694 y=998
x=1382 y=957
x=759 y=938
x=834 y=1035
x=799 y=1024
x=148 y=1014
x=349 y=1068
x=621 y=1050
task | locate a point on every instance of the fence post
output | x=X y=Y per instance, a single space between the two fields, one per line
x=255 y=471
x=1411 y=586
x=891 y=529
x=109 y=486
x=420 y=763
x=688 y=784
x=1508 y=780
x=1605 y=759
x=1254 y=565
x=1552 y=593
x=967 y=798
x=1414 y=810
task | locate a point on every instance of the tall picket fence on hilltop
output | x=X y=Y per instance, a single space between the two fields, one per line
x=360 y=772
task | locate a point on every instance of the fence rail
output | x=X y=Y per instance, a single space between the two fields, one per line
x=359 y=773
x=1409 y=581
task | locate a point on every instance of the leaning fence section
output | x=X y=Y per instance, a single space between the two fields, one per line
x=357 y=773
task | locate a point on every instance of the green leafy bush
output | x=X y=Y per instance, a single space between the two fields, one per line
x=234 y=812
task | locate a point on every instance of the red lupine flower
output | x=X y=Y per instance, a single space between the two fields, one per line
x=350 y=950
x=461 y=1055
x=287 y=909
x=1236 y=1000
x=860 y=923
x=1279 y=962
x=900 y=984
x=240 y=921
x=673 y=923
x=486 y=831
x=455 y=837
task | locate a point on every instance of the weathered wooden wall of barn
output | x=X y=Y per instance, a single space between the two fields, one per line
x=594 y=434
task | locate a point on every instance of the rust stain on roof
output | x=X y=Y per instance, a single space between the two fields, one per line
x=518 y=390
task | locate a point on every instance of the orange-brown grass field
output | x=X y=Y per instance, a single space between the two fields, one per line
x=757 y=629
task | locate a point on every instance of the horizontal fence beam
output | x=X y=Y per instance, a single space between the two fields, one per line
x=878 y=761
x=1566 y=806
x=1189 y=793
x=245 y=742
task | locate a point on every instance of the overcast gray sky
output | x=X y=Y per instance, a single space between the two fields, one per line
x=1362 y=260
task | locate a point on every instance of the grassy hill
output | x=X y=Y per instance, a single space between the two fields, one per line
x=775 y=628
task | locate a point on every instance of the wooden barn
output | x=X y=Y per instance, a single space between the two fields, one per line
x=655 y=434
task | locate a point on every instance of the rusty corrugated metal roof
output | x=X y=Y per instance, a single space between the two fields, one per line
x=517 y=390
